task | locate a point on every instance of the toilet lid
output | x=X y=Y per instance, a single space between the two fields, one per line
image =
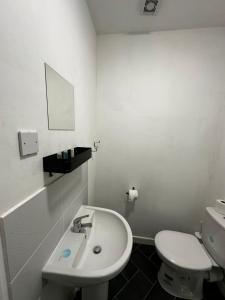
x=182 y=250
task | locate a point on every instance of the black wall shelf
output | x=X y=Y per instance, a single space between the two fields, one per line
x=54 y=164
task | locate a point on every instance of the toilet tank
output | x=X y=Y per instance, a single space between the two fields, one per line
x=213 y=235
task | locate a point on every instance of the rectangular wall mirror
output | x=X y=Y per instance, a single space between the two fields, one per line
x=60 y=99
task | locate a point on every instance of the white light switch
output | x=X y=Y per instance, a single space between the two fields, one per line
x=28 y=142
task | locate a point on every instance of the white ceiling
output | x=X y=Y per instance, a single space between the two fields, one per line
x=124 y=16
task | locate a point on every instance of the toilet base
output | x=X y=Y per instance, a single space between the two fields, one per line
x=181 y=284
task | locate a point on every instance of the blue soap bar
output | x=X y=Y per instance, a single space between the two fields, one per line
x=66 y=253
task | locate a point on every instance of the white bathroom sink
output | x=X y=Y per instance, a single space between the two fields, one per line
x=73 y=262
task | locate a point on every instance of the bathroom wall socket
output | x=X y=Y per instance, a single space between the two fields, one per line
x=28 y=142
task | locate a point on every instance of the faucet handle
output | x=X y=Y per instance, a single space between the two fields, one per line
x=78 y=220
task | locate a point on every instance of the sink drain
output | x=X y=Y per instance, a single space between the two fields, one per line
x=97 y=249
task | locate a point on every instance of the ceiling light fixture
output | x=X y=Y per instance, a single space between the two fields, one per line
x=150 y=7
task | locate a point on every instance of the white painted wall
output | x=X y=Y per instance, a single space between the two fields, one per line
x=216 y=189
x=32 y=32
x=160 y=114
x=59 y=33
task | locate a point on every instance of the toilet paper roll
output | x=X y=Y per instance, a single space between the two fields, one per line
x=132 y=195
x=220 y=206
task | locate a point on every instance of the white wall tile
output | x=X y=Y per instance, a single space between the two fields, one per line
x=24 y=229
x=70 y=212
x=72 y=184
x=27 y=285
x=26 y=226
x=3 y=279
x=54 y=291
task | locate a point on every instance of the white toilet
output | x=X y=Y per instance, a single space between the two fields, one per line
x=188 y=260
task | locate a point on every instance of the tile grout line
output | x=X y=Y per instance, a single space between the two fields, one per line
x=149 y=292
x=38 y=248
x=154 y=264
x=149 y=280
x=150 y=257
x=124 y=276
x=138 y=249
x=147 y=257
x=146 y=277
x=122 y=288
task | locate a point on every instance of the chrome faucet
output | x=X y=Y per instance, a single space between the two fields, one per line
x=78 y=227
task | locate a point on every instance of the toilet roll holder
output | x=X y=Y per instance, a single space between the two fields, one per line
x=133 y=188
x=132 y=195
x=96 y=145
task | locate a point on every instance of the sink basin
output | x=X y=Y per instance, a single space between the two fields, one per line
x=94 y=257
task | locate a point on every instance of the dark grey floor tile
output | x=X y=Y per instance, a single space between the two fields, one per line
x=115 y=285
x=212 y=292
x=147 y=250
x=138 y=280
x=135 y=246
x=157 y=293
x=129 y=270
x=144 y=265
x=136 y=289
x=156 y=260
